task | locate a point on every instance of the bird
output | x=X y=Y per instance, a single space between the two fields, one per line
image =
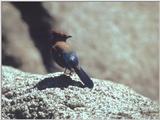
x=64 y=55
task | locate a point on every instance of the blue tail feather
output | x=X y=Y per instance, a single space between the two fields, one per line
x=84 y=77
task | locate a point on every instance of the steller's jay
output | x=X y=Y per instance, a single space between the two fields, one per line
x=66 y=57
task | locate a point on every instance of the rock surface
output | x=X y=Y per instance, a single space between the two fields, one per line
x=26 y=95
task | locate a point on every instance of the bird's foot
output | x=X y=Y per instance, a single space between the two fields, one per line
x=71 y=73
x=68 y=73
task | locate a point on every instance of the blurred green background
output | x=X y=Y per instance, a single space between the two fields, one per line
x=115 y=41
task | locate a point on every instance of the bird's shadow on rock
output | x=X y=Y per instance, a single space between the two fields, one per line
x=61 y=81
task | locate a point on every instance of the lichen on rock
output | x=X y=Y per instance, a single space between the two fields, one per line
x=55 y=96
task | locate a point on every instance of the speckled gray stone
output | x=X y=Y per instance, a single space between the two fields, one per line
x=55 y=96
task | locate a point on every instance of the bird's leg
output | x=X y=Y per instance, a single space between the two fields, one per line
x=71 y=72
x=65 y=72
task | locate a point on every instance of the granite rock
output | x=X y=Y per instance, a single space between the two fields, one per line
x=56 y=96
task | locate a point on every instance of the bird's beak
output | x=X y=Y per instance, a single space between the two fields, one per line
x=69 y=36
